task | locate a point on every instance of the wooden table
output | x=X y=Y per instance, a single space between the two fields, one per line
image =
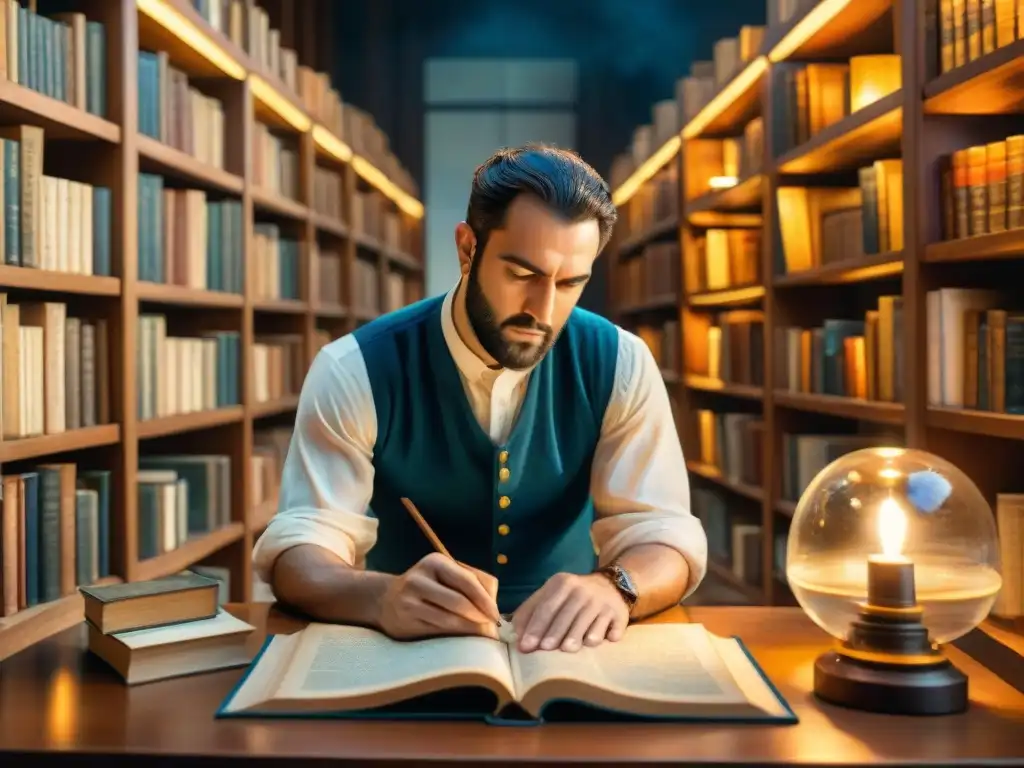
x=58 y=700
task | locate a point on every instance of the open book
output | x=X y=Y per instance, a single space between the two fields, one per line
x=656 y=671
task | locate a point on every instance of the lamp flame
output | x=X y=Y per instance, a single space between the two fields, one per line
x=892 y=527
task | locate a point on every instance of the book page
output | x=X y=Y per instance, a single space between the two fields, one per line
x=333 y=660
x=670 y=663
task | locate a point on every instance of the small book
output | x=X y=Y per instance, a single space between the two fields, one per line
x=655 y=672
x=139 y=604
x=174 y=650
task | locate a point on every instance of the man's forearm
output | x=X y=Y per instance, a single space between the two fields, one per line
x=661 y=575
x=321 y=585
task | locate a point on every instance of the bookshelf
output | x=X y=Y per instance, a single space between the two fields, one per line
x=821 y=181
x=216 y=253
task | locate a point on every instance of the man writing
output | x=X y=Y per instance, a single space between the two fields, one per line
x=528 y=432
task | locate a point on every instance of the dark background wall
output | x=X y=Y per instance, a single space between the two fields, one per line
x=629 y=53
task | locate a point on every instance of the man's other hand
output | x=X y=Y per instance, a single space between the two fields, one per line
x=439 y=596
x=571 y=611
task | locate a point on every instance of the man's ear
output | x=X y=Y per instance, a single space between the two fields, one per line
x=465 y=244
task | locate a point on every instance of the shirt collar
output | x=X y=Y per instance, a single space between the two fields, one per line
x=471 y=366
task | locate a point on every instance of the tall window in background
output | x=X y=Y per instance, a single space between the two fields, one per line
x=473 y=107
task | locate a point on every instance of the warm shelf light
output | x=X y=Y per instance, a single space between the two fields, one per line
x=376 y=177
x=331 y=144
x=178 y=25
x=647 y=169
x=726 y=97
x=267 y=95
x=723 y=182
x=812 y=23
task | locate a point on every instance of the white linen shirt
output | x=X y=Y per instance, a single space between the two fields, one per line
x=639 y=484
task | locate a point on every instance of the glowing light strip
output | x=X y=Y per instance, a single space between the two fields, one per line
x=726 y=97
x=178 y=25
x=647 y=169
x=815 y=20
x=376 y=177
x=331 y=144
x=723 y=182
x=271 y=98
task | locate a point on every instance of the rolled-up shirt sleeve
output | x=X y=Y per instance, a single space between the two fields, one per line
x=327 y=478
x=639 y=482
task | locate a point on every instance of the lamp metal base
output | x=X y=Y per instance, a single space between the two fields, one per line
x=938 y=689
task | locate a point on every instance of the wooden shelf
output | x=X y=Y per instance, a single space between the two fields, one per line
x=99 y=152
x=63 y=442
x=867 y=135
x=744 y=195
x=180 y=295
x=271 y=202
x=990 y=85
x=708 y=384
x=161 y=158
x=275 y=407
x=727 y=297
x=724 y=573
x=659 y=230
x=28 y=627
x=653 y=304
x=998 y=245
x=753 y=492
x=192 y=551
x=733 y=106
x=876 y=267
x=188 y=422
x=856 y=27
x=1005 y=425
x=845 y=407
x=58 y=120
x=330 y=225
x=281 y=306
x=58 y=282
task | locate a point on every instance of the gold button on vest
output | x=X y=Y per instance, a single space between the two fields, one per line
x=503 y=457
x=504 y=501
x=502 y=559
x=504 y=474
x=503 y=529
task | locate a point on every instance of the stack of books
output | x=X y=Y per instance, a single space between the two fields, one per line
x=155 y=630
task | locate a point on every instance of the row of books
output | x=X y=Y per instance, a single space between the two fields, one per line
x=372 y=217
x=809 y=97
x=726 y=346
x=734 y=538
x=969 y=30
x=983 y=189
x=275 y=264
x=278 y=366
x=56 y=369
x=805 y=455
x=176 y=113
x=732 y=443
x=655 y=203
x=650 y=275
x=270 y=447
x=396 y=294
x=819 y=226
x=181 y=497
x=665 y=343
x=861 y=358
x=733 y=157
x=275 y=162
x=185 y=238
x=54 y=533
x=49 y=222
x=724 y=258
x=974 y=336
x=184 y=373
x=328 y=195
x=367 y=287
x=328 y=278
x=60 y=55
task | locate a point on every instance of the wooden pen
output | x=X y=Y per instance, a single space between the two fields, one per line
x=429 y=533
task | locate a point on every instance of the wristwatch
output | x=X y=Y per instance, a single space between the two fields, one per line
x=622 y=581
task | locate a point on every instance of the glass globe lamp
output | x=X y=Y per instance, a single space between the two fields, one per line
x=893 y=552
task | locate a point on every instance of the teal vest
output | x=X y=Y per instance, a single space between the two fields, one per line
x=521 y=510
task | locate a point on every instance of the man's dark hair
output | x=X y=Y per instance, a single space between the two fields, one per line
x=558 y=177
